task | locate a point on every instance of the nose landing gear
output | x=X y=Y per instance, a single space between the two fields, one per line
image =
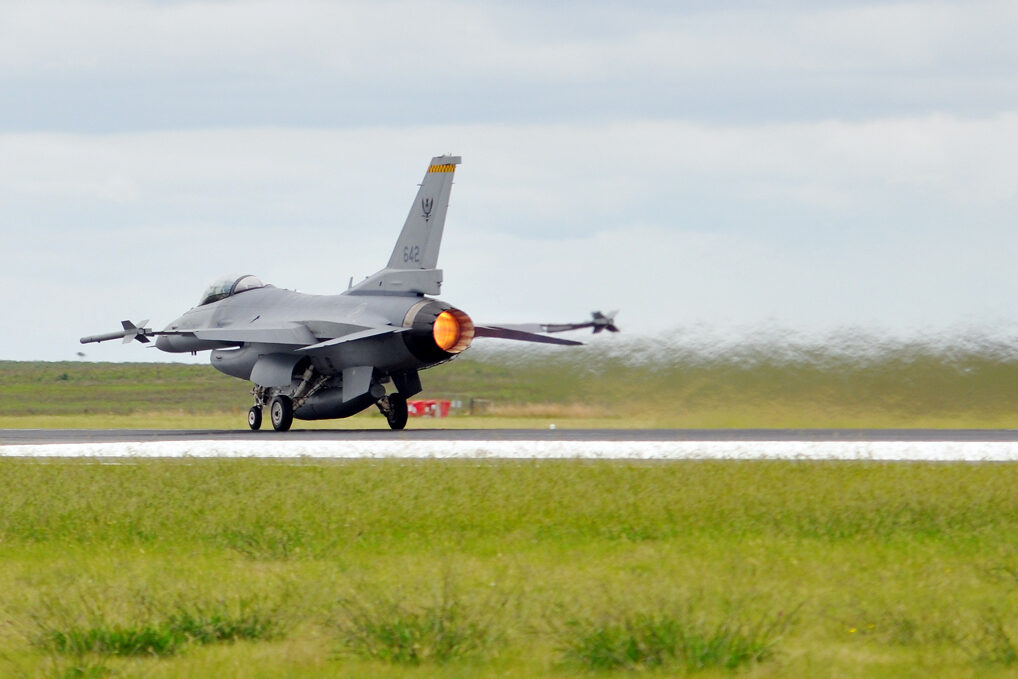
x=280 y=409
x=254 y=418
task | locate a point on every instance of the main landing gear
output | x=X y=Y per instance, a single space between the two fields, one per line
x=281 y=413
x=280 y=410
x=394 y=408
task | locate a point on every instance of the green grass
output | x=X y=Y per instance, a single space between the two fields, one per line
x=75 y=389
x=241 y=568
x=627 y=382
x=662 y=640
x=441 y=631
x=184 y=627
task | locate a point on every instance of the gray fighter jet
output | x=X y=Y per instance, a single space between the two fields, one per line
x=328 y=356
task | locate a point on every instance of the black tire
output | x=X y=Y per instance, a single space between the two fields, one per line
x=281 y=413
x=254 y=418
x=397 y=414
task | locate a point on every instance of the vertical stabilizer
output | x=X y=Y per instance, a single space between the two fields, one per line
x=421 y=238
x=412 y=268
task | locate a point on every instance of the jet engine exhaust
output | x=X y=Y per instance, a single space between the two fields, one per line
x=453 y=331
x=438 y=331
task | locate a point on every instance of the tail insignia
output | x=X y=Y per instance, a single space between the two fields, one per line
x=426 y=204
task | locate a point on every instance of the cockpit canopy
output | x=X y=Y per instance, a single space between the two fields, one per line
x=229 y=285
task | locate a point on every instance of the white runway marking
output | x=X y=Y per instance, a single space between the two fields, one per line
x=972 y=451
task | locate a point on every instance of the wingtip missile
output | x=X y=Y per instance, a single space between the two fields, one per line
x=130 y=332
x=604 y=321
x=135 y=332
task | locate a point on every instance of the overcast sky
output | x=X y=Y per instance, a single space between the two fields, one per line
x=724 y=166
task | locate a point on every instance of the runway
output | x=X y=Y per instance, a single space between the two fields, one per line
x=649 y=444
x=93 y=436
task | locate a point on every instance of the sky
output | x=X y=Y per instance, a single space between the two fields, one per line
x=729 y=167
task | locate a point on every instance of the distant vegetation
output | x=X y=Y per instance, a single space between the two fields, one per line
x=846 y=382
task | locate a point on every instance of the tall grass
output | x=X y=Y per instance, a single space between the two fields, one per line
x=392 y=629
x=193 y=625
x=651 y=640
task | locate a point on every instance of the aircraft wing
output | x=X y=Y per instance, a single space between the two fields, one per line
x=294 y=335
x=297 y=335
x=300 y=336
x=353 y=337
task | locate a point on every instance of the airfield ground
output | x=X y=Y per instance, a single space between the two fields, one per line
x=557 y=568
x=631 y=384
x=240 y=568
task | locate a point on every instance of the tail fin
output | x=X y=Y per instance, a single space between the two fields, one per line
x=418 y=244
x=412 y=268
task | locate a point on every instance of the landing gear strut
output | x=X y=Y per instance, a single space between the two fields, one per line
x=281 y=413
x=394 y=408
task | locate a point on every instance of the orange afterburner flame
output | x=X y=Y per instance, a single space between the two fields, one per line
x=453 y=331
x=446 y=331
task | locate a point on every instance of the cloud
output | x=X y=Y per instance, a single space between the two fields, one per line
x=899 y=175
x=114 y=66
x=561 y=40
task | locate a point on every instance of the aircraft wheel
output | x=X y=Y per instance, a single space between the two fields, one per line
x=397 y=414
x=254 y=418
x=281 y=413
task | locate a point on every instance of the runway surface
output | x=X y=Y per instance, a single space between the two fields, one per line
x=91 y=436
x=660 y=444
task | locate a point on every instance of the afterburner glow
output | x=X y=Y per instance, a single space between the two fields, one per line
x=446 y=331
x=452 y=331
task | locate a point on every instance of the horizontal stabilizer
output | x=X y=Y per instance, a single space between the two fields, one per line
x=598 y=321
x=519 y=335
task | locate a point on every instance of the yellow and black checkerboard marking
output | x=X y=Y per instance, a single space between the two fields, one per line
x=442 y=168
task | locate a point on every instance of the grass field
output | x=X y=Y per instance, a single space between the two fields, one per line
x=247 y=568
x=632 y=382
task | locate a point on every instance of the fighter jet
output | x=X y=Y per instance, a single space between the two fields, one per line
x=329 y=356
